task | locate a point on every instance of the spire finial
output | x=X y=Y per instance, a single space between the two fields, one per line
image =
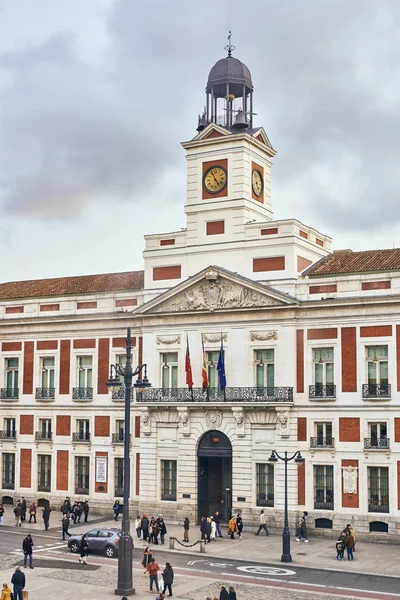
x=230 y=46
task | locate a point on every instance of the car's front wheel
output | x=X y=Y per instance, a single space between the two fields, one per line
x=110 y=552
x=74 y=547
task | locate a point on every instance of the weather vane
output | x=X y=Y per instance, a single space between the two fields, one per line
x=230 y=46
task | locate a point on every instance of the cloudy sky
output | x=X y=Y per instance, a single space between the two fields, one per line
x=96 y=96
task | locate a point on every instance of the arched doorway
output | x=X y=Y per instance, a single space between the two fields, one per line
x=214 y=475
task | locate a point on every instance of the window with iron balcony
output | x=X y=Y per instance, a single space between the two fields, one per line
x=377 y=439
x=323 y=436
x=11 y=378
x=377 y=385
x=84 y=391
x=47 y=375
x=323 y=374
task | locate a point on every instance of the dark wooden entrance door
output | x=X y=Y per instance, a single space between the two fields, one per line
x=214 y=475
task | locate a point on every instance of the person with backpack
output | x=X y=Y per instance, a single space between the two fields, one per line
x=18 y=515
x=145 y=528
x=340 y=545
x=302 y=531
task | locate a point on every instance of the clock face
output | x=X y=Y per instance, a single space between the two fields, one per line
x=257 y=182
x=215 y=179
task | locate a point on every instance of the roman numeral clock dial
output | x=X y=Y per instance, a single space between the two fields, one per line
x=257 y=183
x=214 y=179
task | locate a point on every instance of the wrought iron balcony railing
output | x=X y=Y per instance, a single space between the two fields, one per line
x=375 y=507
x=8 y=435
x=327 y=505
x=119 y=438
x=376 y=443
x=45 y=393
x=322 y=391
x=319 y=442
x=43 y=436
x=376 y=390
x=82 y=393
x=84 y=438
x=120 y=394
x=9 y=393
x=265 y=500
x=231 y=394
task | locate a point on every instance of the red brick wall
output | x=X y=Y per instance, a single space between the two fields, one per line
x=398 y=356
x=349 y=359
x=11 y=346
x=301 y=484
x=47 y=345
x=301 y=429
x=83 y=344
x=161 y=273
x=140 y=350
x=376 y=285
x=300 y=361
x=62 y=470
x=322 y=289
x=102 y=488
x=137 y=473
x=65 y=365
x=274 y=263
x=137 y=427
x=101 y=426
x=322 y=334
x=376 y=331
x=29 y=348
x=302 y=263
x=349 y=429
x=83 y=305
x=63 y=425
x=397 y=430
x=126 y=302
x=215 y=227
x=121 y=342
x=303 y=234
x=103 y=365
x=25 y=471
x=350 y=500
x=270 y=231
x=169 y=242
x=49 y=307
x=10 y=310
x=26 y=424
x=319 y=242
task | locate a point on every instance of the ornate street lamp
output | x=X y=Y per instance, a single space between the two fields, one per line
x=125 y=553
x=286 y=556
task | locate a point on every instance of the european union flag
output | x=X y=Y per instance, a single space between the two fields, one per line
x=221 y=367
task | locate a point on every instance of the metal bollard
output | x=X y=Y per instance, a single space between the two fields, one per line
x=171 y=543
x=202 y=546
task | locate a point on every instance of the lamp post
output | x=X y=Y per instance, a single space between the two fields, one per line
x=125 y=554
x=286 y=556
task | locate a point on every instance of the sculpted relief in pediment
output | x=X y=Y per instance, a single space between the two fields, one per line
x=213 y=294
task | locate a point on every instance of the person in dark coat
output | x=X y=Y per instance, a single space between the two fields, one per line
x=78 y=513
x=217 y=520
x=46 y=516
x=204 y=529
x=65 y=527
x=23 y=509
x=239 y=524
x=145 y=528
x=86 y=511
x=27 y=546
x=163 y=528
x=18 y=581
x=186 y=525
x=168 y=577
x=116 y=510
x=84 y=550
x=147 y=556
x=223 y=595
x=232 y=594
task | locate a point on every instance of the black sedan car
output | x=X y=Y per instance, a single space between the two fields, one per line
x=101 y=540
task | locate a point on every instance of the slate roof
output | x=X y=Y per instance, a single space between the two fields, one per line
x=346 y=261
x=63 y=286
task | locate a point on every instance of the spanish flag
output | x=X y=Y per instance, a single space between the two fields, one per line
x=204 y=375
x=188 y=366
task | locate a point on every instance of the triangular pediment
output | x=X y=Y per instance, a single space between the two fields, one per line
x=216 y=289
x=262 y=137
x=212 y=131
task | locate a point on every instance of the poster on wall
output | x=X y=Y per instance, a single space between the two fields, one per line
x=101 y=469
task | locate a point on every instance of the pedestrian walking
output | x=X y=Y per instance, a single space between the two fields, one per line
x=46 y=516
x=65 y=526
x=232 y=594
x=84 y=550
x=1 y=513
x=23 y=509
x=152 y=569
x=78 y=513
x=340 y=545
x=213 y=529
x=18 y=581
x=86 y=511
x=349 y=543
x=154 y=531
x=72 y=515
x=116 y=508
x=18 y=515
x=27 y=549
x=204 y=529
x=223 y=595
x=302 y=530
x=232 y=527
x=145 y=528
x=162 y=529
x=263 y=523
x=5 y=593
x=32 y=512
x=147 y=556
x=168 y=577
x=186 y=526
x=66 y=506
x=138 y=527
x=217 y=520
x=239 y=524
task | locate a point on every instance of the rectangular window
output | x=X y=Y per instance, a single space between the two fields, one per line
x=323 y=366
x=378 y=489
x=44 y=473
x=85 y=371
x=9 y=428
x=81 y=475
x=168 y=480
x=378 y=435
x=44 y=429
x=12 y=365
x=323 y=487
x=119 y=477
x=212 y=362
x=169 y=370
x=323 y=433
x=82 y=429
x=48 y=372
x=377 y=365
x=265 y=484
x=8 y=479
x=265 y=368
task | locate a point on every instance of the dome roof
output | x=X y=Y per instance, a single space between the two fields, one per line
x=229 y=70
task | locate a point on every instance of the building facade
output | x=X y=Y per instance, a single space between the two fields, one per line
x=308 y=339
